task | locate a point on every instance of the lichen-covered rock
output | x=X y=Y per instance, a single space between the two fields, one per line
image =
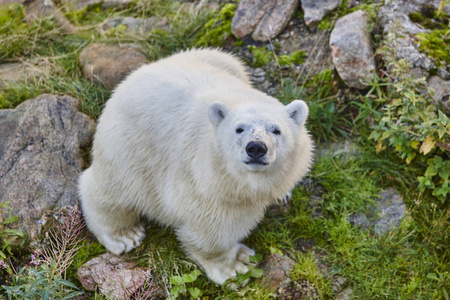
x=264 y=18
x=109 y=64
x=114 y=277
x=351 y=49
x=315 y=10
x=399 y=30
x=40 y=159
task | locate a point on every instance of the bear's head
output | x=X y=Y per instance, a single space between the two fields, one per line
x=257 y=137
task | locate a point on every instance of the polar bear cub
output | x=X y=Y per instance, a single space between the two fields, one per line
x=187 y=142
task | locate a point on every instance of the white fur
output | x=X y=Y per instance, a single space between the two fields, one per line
x=166 y=147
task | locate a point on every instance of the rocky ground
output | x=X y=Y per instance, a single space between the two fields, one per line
x=44 y=141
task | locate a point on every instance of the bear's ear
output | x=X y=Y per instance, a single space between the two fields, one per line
x=298 y=111
x=217 y=112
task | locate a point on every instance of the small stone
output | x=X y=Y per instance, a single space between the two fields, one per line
x=108 y=64
x=46 y=8
x=391 y=210
x=136 y=25
x=351 y=49
x=114 y=277
x=315 y=10
x=346 y=294
x=359 y=220
x=80 y=4
x=277 y=269
x=21 y=72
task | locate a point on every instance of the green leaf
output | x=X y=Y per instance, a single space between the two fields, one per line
x=177 y=280
x=256 y=258
x=68 y=283
x=195 y=292
x=11 y=219
x=13 y=232
x=432 y=276
x=256 y=273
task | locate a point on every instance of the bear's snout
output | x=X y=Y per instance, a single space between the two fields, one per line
x=256 y=150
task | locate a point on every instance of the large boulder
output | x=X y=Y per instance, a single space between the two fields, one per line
x=109 y=64
x=351 y=49
x=263 y=19
x=315 y=10
x=40 y=157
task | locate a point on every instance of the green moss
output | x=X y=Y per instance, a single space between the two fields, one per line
x=436 y=44
x=297 y=57
x=218 y=29
x=261 y=56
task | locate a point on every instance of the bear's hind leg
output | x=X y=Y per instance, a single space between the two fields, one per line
x=118 y=229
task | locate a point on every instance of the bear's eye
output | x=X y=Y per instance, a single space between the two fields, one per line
x=239 y=130
x=276 y=131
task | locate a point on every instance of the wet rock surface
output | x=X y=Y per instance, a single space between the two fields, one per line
x=351 y=49
x=40 y=157
x=277 y=269
x=108 y=64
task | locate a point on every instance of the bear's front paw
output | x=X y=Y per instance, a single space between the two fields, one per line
x=124 y=241
x=228 y=264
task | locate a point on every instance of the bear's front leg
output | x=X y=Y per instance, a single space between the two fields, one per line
x=219 y=261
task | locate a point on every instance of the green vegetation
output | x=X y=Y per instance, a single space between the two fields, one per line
x=398 y=138
x=8 y=236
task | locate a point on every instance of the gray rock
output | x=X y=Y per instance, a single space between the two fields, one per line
x=351 y=49
x=359 y=220
x=21 y=72
x=275 y=20
x=346 y=294
x=45 y=8
x=391 y=210
x=277 y=269
x=315 y=10
x=40 y=144
x=441 y=92
x=265 y=18
x=113 y=277
x=399 y=30
x=136 y=25
x=108 y=64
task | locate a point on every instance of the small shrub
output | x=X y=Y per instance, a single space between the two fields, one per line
x=45 y=277
x=415 y=128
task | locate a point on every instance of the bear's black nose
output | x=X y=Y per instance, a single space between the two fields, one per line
x=256 y=150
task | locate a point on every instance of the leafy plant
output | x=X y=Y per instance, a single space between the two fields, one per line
x=45 y=277
x=181 y=285
x=412 y=124
x=7 y=235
